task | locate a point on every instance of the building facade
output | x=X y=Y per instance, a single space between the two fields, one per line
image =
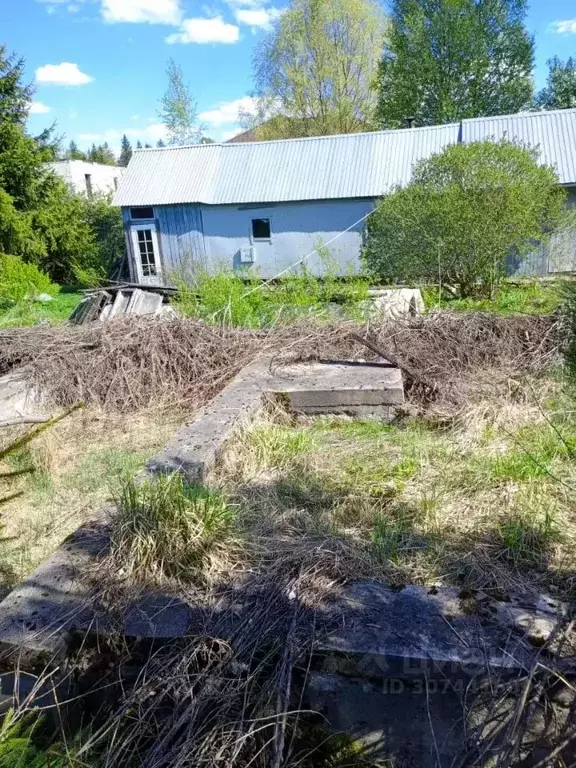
x=89 y=178
x=266 y=206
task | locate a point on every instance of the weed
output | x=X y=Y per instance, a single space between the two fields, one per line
x=240 y=298
x=535 y=298
x=525 y=537
x=168 y=528
x=277 y=447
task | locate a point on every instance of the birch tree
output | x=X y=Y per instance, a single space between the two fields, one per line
x=315 y=71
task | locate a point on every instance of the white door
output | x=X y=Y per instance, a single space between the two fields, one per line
x=146 y=254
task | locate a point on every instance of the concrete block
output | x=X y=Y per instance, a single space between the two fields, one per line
x=19 y=397
x=394 y=303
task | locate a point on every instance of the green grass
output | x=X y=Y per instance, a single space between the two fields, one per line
x=242 y=300
x=486 y=502
x=534 y=298
x=53 y=312
x=167 y=528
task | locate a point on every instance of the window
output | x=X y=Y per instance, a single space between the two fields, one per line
x=146 y=248
x=261 y=229
x=88 y=180
x=141 y=213
x=115 y=182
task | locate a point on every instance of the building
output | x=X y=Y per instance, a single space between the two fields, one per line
x=89 y=178
x=267 y=205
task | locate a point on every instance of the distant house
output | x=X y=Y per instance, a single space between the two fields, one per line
x=266 y=205
x=89 y=178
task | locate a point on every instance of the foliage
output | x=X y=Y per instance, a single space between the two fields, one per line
x=568 y=314
x=179 y=111
x=168 y=527
x=125 y=151
x=40 y=218
x=106 y=245
x=241 y=300
x=101 y=153
x=73 y=153
x=20 y=281
x=533 y=298
x=314 y=71
x=560 y=89
x=447 y=60
x=464 y=212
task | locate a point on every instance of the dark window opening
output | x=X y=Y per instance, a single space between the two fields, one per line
x=261 y=229
x=88 y=180
x=141 y=213
x=115 y=182
x=147 y=257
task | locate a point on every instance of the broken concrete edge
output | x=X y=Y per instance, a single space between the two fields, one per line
x=306 y=388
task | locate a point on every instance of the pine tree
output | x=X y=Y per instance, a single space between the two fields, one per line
x=560 y=90
x=73 y=153
x=138 y=144
x=160 y=143
x=125 y=151
x=447 y=60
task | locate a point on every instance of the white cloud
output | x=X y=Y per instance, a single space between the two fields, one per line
x=38 y=108
x=150 y=134
x=566 y=27
x=65 y=73
x=138 y=11
x=258 y=17
x=202 y=31
x=227 y=112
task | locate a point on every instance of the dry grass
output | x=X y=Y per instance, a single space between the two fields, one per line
x=78 y=466
x=484 y=502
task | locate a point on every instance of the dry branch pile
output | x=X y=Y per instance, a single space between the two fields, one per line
x=133 y=363
x=130 y=363
x=443 y=355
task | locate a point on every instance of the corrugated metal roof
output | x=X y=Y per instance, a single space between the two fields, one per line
x=326 y=167
x=554 y=133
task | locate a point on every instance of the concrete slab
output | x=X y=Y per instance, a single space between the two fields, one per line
x=352 y=388
x=19 y=397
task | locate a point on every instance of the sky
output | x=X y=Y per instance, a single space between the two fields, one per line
x=99 y=65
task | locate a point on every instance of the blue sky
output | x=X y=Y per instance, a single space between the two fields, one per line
x=100 y=65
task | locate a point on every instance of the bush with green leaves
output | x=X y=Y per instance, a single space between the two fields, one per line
x=106 y=246
x=20 y=281
x=464 y=212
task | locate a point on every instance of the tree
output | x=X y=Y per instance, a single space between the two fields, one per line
x=465 y=211
x=160 y=143
x=447 y=60
x=179 y=111
x=38 y=220
x=73 y=153
x=138 y=144
x=314 y=71
x=125 y=151
x=560 y=90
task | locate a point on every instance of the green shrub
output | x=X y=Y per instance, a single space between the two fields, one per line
x=465 y=211
x=20 y=281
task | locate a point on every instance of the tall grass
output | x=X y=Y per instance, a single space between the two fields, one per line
x=168 y=528
x=241 y=299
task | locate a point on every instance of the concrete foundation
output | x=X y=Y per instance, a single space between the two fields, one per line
x=364 y=390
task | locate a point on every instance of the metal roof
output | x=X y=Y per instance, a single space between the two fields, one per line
x=554 y=133
x=326 y=167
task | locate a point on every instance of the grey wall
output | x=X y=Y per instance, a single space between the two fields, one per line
x=558 y=255
x=296 y=229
